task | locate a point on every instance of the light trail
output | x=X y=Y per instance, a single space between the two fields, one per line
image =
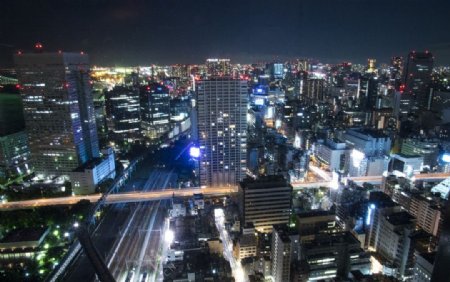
x=236 y=267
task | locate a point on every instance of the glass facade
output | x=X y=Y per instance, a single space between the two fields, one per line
x=58 y=109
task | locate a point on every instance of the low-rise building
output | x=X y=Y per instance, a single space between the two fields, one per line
x=86 y=177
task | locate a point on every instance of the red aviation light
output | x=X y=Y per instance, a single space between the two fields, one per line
x=402 y=88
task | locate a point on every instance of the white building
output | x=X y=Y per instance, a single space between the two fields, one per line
x=332 y=154
x=407 y=164
x=86 y=178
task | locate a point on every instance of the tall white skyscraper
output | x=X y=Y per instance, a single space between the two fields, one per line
x=222 y=130
x=58 y=110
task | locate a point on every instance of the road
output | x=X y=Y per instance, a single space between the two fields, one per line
x=127 y=197
x=235 y=264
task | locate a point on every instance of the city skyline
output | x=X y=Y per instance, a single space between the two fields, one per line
x=168 y=32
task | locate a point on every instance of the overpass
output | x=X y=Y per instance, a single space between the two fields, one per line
x=119 y=197
x=168 y=193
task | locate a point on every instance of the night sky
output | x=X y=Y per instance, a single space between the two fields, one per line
x=188 y=31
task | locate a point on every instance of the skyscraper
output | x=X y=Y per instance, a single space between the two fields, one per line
x=417 y=77
x=155 y=110
x=58 y=110
x=14 y=151
x=222 y=130
x=123 y=111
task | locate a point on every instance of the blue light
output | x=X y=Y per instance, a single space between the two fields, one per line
x=369 y=214
x=259 y=90
x=446 y=158
x=194 y=152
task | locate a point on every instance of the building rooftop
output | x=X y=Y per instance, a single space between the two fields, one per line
x=400 y=218
x=284 y=232
x=429 y=257
x=24 y=235
x=370 y=132
x=330 y=239
x=315 y=214
x=269 y=181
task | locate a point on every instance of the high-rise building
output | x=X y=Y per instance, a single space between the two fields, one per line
x=58 y=110
x=368 y=93
x=222 y=130
x=285 y=244
x=426 y=148
x=417 y=77
x=14 y=151
x=423 y=267
x=390 y=233
x=442 y=259
x=371 y=66
x=314 y=90
x=332 y=255
x=396 y=68
x=123 y=111
x=155 y=110
x=265 y=201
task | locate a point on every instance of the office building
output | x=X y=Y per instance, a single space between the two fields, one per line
x=123 y=111
x=369 y=142
x=332 y=154
x=14 y=151
x=395 y=245
x=406 y=164
x=14 y=155
x=367 y=93
x=245 y=246
x=334 y=255
x=276 y=71
x=58 y=110
x=265 y=201
x=442 y=259
x=396 y=68
x=423 y=267
x=428 y=149
x=314 y=90
x=417 y=77
x=369 y=153
x=443 y=188
x=222 y=130
x=155 y=111
x=390 y=233
x=285 y=244
x=11 y=110
x=311 y=223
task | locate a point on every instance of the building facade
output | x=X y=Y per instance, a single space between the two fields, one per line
x=222 y=130
x=155 y=111
x=58 y=109
x=265 y=201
